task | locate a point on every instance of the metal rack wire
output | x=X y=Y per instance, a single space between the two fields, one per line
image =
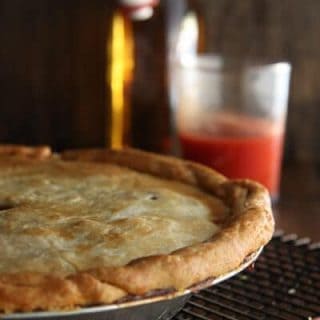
x=284 y=285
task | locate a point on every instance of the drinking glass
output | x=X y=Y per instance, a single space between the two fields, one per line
x=231 y=115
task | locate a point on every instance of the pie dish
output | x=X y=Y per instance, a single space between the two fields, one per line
x=92 y=227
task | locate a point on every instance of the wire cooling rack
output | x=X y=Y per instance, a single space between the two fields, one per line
x=283 y=285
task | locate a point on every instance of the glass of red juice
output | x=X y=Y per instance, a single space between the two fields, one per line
x=232 y=117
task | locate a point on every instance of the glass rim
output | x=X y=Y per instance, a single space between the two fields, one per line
x=216 y=63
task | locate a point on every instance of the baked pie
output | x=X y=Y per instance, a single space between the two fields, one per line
x=91 y=227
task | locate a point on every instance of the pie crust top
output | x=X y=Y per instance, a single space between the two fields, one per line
x=94 y=226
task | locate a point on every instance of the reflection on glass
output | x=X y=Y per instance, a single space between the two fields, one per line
x=119 y=77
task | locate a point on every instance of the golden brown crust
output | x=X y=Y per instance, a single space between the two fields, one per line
x=248 y=228
x=39 y=152
x=147 y=162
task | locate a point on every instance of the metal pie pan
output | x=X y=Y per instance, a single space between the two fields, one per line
x=157 y=307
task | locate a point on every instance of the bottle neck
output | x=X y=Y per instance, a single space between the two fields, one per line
x=139 y=9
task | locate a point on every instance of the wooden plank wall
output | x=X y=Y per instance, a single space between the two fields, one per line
x=52 y=57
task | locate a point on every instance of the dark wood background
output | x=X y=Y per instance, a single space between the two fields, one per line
x=52 y=58
x=52 y=67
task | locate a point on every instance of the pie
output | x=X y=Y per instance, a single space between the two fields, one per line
x=90 y=227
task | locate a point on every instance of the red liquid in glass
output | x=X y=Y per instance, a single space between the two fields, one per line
x=256 y=157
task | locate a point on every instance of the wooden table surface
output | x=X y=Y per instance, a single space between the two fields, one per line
x=298 y=208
